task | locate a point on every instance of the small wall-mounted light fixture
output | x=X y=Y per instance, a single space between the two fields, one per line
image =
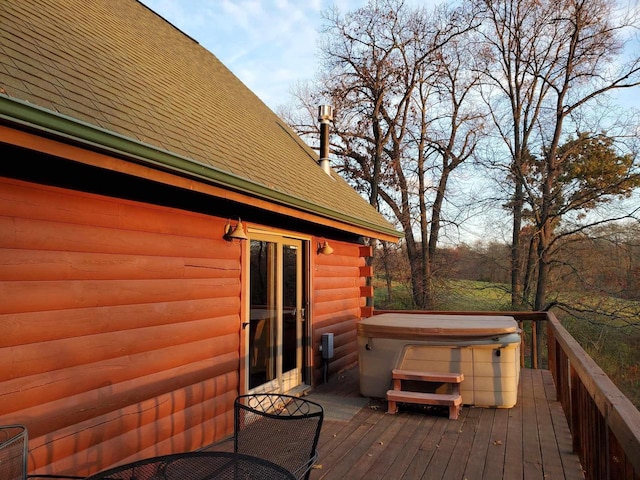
x=237 y=231
x=324 y=248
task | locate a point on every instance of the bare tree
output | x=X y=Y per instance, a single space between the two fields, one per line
x=547 y=63
x=403 y=118
x=601 y=262
x=451 y=124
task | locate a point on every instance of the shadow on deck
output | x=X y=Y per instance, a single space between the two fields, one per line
x=359 y=440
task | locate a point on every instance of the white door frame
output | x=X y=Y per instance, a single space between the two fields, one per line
x=273 y=317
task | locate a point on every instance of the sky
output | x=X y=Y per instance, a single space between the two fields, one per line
x=268 y=44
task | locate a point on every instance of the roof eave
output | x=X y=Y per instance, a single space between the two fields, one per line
x=33 y=117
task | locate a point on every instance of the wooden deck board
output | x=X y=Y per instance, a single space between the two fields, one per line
x=496 y=450
x=513 y=456
x=374 y=446
x=548 y=446
x=479 y=453
x=373 y=464
x=529 y=441
x=405 y=450
x=459 y=456
x=359 y=449
x=390 y=449
x=532 y=458
x=336 y=449
x=570 y=461
x=423 y=449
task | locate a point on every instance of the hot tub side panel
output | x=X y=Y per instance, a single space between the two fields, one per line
x=496 y=373
x=442 y=359
x=376 y=358
x=491 y=372
x=491 y=367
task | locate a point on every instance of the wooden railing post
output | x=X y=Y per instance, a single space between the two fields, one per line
x=534 y=344
x=551 y=354
x=574 y=409
x=522 y=344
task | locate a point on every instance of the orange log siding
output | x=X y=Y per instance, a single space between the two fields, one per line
x=119 y=327
x=338 y=303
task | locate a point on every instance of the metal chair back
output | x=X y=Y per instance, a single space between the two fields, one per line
x=65 y=477
x=14 y=442
x=280 y=428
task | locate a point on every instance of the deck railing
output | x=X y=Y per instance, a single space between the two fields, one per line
x=604 y=424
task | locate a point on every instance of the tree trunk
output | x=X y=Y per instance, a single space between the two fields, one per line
x=387 y=271
x=543 y=274
x=516 y=278
x=417 y=279
x=530 y=268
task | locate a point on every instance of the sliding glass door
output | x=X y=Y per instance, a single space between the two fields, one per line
x=274 y=343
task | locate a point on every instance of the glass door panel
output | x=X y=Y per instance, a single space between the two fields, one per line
x=262 y=325
x=274 y=343
x=291 y=316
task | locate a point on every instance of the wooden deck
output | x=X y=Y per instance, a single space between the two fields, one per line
x=359 y=440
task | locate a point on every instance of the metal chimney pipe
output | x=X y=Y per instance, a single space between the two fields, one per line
x=325 y=115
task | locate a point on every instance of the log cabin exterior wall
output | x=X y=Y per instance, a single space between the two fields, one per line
x=338 y=303
x=119 y=326
x=120 y=303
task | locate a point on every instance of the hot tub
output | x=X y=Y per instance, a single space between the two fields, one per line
x=486 y=349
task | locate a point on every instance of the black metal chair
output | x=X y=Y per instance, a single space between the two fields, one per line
x=66 y=477
x=197 y=466
x=280 y=428
x=14 y=450
x=14 y=444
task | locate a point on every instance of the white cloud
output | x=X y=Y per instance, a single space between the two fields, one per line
x=268 y=44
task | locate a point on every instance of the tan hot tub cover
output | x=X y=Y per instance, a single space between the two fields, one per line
x=408 y=325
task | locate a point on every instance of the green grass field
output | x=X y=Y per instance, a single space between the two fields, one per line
x=460 y=295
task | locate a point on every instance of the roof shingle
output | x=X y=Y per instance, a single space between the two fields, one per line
x=117 y=65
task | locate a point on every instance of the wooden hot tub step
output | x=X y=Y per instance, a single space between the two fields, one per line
x=442 y=377
x=453 y=400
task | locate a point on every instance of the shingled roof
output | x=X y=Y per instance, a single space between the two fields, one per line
x=113 y=69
